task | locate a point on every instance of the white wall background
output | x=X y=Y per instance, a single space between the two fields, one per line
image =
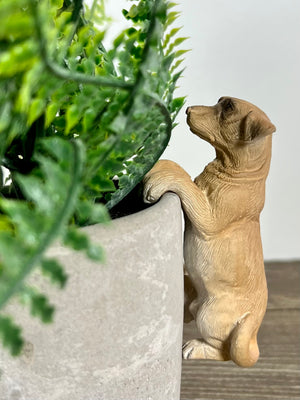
x=247 y=49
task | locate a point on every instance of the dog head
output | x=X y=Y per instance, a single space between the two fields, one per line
x=230 y=123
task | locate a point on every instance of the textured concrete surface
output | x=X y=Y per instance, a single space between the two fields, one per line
x=118 y=327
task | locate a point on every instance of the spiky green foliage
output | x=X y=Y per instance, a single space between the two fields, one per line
x=75 y=119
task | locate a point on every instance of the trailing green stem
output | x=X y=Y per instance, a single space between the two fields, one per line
x=133 y=91
x=59 y=221
x=104 y=156
x=93 y=9
x=65 y=74
x=147 y=167
x=139 y=77
x=75 y=19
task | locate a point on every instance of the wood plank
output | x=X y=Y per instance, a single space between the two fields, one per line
x=277 y=373
x=275 y=376
x=284 y=284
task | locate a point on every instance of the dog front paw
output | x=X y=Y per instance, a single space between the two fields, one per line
x=165 y=176
x=156 y=183
x=152 y=191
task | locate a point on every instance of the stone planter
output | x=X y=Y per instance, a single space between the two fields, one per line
x=118 y=327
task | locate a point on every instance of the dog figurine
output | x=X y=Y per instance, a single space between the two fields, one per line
x=225 y=284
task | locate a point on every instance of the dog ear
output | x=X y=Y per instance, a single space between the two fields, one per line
x=253 y=127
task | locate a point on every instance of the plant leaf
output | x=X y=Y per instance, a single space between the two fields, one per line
x=80 y=241
x=11 y=335
x=55 y=271
x=40 y=307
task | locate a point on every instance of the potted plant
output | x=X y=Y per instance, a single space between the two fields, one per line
x=80 y=126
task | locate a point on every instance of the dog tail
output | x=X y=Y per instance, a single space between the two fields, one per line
x=243 y=344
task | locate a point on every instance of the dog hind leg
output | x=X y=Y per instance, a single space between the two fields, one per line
x=189 y=296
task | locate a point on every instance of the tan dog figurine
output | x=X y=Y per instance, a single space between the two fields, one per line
x=225 y=285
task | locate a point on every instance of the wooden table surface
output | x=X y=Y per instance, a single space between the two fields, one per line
x=276 y=376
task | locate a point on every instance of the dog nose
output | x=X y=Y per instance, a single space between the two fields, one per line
x=188 y=110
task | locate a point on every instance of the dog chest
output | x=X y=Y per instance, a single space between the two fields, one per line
x=230 y=200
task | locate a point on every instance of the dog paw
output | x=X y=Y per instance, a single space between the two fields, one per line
x=152 y=193
x=193 y=349
x=164 y=177
x=155 y=185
